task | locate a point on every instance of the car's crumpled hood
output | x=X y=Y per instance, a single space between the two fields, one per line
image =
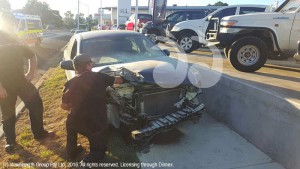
x=162 y=71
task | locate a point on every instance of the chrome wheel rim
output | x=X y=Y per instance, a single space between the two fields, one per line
x=248 y=55
x=153 y=37
x=186 y=43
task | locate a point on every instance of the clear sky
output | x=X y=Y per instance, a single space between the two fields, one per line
x=92 y=6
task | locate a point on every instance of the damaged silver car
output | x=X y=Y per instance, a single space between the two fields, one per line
x=160 y=92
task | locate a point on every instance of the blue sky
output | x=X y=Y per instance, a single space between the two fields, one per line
x=91 y=6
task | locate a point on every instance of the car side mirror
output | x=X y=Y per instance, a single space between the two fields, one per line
x=67 y=65
x=167 y=52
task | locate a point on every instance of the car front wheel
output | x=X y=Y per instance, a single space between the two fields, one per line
x=248 y=54
x=187 y=43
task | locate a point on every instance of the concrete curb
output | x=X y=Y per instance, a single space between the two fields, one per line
x=21 y=107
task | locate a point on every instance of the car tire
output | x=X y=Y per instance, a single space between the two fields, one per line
x=248 y=54
x=153 y=34
x=186 y=43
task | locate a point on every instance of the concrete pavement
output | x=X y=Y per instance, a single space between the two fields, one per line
x=206 y=145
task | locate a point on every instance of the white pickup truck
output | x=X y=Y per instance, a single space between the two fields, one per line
x=191 y=34
x=249 y=40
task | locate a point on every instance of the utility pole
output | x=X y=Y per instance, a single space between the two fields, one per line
x=100 y=17
x=136 y=14
x=78 y=19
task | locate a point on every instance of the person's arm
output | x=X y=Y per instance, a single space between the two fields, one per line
x=32 y=68
x=3 y=93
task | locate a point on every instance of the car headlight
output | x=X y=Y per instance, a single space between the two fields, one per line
x=175 y=28
x=228 y=23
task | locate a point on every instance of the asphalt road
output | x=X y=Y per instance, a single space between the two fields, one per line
x=48 y=53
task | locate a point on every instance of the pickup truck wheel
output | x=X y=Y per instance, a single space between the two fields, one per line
x=248 y=54
x=186 y=42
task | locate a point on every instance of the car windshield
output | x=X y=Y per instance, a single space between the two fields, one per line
x=112 y=50
x=291 y=6
x=143 y=16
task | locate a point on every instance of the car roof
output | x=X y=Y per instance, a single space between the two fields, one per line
x=106 y=33
x=247 y=5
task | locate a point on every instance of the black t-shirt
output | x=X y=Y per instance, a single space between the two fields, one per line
x=87 y=96
x=12 y=54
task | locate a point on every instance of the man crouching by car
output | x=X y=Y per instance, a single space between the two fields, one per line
x=85 y=96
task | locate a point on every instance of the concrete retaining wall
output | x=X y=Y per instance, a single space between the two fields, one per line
x=269 y=122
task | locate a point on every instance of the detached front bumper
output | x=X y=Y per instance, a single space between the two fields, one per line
x=168 y=122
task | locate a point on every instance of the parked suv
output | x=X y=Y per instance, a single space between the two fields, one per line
x=249 y=40
x=142 y=18
x=158 y=28
x=190 y=35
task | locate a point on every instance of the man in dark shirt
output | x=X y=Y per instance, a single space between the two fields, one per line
x=85 y=97
x=13 y=83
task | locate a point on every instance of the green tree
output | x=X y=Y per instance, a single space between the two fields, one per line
x=219 y=3
x=4 y=4
x=48 y=16
x=69 y=20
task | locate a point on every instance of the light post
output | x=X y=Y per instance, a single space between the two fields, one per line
x=136 y=15
x=100 y=17
x=78 y=17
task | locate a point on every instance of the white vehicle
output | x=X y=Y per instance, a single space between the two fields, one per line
x=30 y=29
x=190 y=35
x=249 y=40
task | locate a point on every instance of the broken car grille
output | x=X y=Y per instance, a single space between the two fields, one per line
x=160 y=103
x=167 y=122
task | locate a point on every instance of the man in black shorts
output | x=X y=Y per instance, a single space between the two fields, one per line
x=85 y=97
x=14 y=83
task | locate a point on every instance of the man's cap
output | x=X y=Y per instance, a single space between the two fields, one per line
x=82 y=58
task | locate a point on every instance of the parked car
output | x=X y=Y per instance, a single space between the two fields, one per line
x=184 y=32
x=142 y=18
x=154 y=29
x=141 y=104
x=114 y=27
x=249 y=40
x=121 y=27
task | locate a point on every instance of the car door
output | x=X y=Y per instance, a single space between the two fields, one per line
x=295 y=32
x=209 y=24
x=69 y=53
